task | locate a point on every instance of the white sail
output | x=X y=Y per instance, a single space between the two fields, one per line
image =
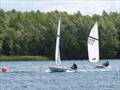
x=57 y=52
x=93 y=44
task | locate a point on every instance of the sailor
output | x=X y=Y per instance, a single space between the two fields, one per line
x=74 y=66
x=106 y=64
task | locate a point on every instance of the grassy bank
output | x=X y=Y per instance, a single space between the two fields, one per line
x=23 y=58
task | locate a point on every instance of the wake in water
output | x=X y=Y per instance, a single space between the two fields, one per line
x=90 y=70
x=70 y=71
x=19 y=72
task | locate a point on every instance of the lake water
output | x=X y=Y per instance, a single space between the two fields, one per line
x=34 y=75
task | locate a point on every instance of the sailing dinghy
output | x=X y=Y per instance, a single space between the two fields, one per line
x=58 y=67
x=93 y=46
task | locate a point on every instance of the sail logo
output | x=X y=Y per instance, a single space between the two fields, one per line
x=93 y=58
x=91 y=41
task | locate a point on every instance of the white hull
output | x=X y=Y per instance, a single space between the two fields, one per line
x=61 y=69
x=57 y=69
x=101 y=66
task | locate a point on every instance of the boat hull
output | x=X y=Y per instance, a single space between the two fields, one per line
x=61 y=69
x=100 y=66
x=57 y=69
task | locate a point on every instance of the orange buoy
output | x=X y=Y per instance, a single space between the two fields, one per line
x=4 y=69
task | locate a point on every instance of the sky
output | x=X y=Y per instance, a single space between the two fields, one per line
x=86 y=7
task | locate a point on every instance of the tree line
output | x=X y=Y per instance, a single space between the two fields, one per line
x=34 y=33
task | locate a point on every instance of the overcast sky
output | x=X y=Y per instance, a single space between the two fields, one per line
x=86 y=7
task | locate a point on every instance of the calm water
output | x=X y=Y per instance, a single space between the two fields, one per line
x=34 y=75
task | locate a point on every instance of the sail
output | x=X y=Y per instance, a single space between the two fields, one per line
x=57 y=52
x=93 y=44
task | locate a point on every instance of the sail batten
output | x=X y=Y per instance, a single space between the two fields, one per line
x=93 y=44
x=93 y=38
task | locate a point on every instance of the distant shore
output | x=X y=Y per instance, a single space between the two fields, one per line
x=23 y=58
x=31 y=58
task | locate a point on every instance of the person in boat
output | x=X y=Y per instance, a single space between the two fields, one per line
x=74 y=66
x=106 y=64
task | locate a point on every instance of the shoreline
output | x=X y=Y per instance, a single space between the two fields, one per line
x=35 y=58
x=23 y=58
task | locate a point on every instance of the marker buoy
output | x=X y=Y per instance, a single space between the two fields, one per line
x=4 y=69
